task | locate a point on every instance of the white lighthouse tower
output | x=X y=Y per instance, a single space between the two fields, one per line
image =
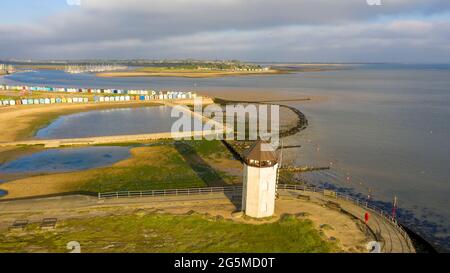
x=260 y=178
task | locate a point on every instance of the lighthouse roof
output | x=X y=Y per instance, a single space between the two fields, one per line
x=261 y=154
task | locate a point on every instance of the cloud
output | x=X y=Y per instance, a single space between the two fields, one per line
x=312 y=30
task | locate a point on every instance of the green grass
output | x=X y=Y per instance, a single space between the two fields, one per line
x=179 y=165
x=177 y=174
x=171 y=234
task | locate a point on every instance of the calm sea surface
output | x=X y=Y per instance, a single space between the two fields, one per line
x=385 y=129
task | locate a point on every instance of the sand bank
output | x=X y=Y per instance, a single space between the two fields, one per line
x=187 y=74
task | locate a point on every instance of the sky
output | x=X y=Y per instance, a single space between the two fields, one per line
x=400 y=31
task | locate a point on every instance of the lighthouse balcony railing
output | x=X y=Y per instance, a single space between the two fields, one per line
x=169 y=192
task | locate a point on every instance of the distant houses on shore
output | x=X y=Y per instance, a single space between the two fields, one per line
x=7 y=69
x=77 y=69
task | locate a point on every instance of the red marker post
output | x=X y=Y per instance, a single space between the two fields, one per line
x=366 y=217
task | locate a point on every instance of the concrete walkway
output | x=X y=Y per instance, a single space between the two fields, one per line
x=50 y=143
x=391 y=239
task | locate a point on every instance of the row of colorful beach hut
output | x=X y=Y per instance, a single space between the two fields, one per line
x=114 y=95
x=75 y=90
x=157 y=95
x=144 y=98
x=42 y=101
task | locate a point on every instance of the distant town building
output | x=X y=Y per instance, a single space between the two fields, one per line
x=260 y=179
x=77 y=69
x=7 y=69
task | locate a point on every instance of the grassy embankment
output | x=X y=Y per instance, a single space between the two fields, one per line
x=152 y=232
x=164 y=165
